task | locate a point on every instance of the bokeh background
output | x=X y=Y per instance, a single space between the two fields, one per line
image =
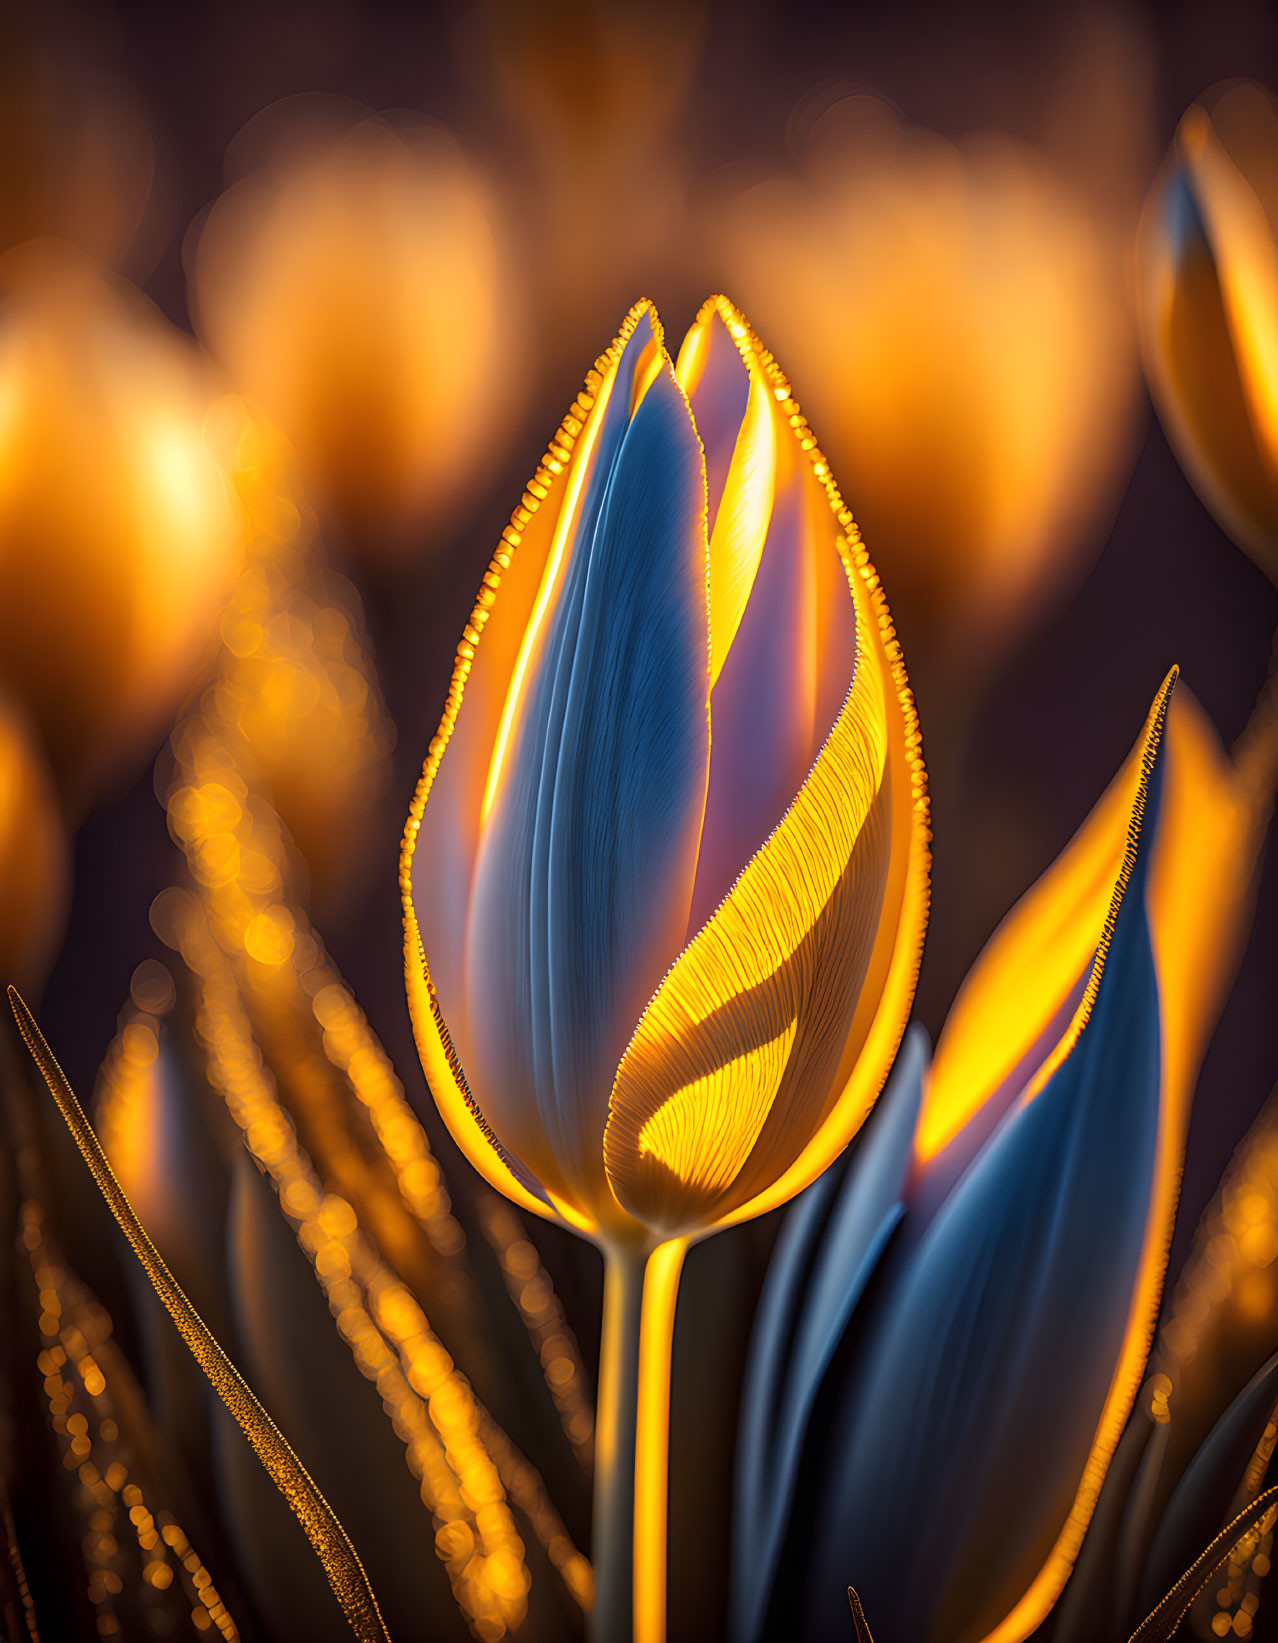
x=928 y=212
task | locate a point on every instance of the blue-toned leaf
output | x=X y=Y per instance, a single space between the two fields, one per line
x=829 y=1245
x=965 y=1437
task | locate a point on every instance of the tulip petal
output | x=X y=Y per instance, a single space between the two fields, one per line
x=584 y=877
x=784 y=956
x=712 y=373
x=829 y=1245
x=465 y=764
x=817 y=939
x=1208 y=278
x=782 y=627
x=464 y=761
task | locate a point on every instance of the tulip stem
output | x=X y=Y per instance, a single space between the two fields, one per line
x=633 y=1442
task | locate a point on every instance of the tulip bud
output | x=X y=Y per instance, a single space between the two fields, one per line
x=1208 y=293
x=667 y=861
x=118 y=539
x=665 y=875
x=351 y=286
x=964 y=329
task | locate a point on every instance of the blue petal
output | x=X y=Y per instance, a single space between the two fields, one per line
x=966 y=1434
x=585 y=875
x=829 y=1245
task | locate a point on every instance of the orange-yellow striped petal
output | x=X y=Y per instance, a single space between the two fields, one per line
x=768 y=1040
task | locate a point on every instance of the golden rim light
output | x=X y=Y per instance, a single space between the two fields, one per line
x=908 y=871
x=1027 y=1001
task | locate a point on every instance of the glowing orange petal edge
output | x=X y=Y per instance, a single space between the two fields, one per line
x=458 y=1107
x=888 y=1028
x=1047 y=1585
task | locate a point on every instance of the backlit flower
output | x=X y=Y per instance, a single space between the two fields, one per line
x=664 y=879
x=350 y=283
x=118 y=537
x=964 y=334
x=1208 y=287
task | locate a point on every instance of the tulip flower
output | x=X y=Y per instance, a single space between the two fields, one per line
x=118 y=537
x=1208 y=290
x=970 y=1305
x=977 y=371
x=665 y=874
x=351 y=285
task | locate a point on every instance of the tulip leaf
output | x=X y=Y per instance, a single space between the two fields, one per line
x=988 y=1369
x=829 y=1245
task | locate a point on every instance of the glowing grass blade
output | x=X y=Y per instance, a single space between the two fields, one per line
x=1166 y=1618
x=341 y=1563
x=858 y=1618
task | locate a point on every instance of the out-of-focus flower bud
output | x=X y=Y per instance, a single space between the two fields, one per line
x=351 y=284
x=1208 y=290
x=963 y=327
x=118 y=536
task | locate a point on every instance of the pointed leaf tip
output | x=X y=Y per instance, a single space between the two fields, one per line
x=863 y=1634
x=319 y=1523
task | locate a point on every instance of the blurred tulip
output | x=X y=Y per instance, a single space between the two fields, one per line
x=964 y=330
x=351 y=284
x=33 y=857
x=969 y=1300
x=1208 y=290
x=118 y=538
x=674 y=978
